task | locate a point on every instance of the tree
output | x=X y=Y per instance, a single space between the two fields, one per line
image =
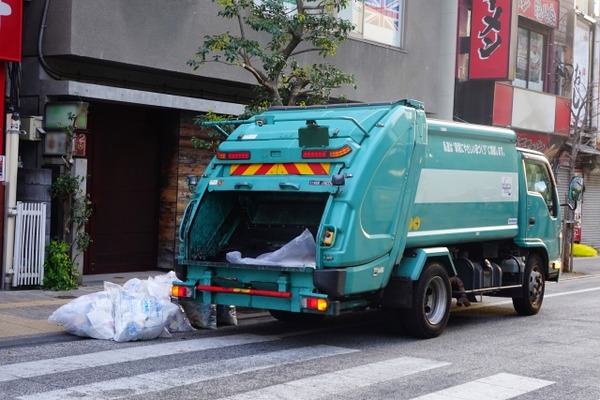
x=292 y=28
x=60 y=272
x=582 y=115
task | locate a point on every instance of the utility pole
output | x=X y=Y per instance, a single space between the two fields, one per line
x=11 y=33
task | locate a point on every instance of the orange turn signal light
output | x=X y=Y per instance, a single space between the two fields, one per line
x=315 y=303
x=182 y=291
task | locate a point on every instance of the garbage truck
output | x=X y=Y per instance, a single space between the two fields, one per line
x=315 y=211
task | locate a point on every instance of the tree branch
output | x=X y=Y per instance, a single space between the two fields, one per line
x=312 y=49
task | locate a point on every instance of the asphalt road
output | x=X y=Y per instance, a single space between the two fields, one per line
x=486 y=352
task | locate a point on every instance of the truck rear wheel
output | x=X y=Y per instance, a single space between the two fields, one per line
x=431 y=303
x=533 y=288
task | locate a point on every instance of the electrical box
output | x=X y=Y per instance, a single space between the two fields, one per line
x=31 y=128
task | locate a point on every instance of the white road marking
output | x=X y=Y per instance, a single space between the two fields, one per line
x=572 y=292
x=190 y=374
x=335 y=383
x=495 y=387
x=32 y=369
x=507 y=302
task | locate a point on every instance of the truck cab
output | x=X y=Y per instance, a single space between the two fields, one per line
x=541 y=210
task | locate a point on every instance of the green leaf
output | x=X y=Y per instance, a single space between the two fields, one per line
x=289 y=31
x=59 y=269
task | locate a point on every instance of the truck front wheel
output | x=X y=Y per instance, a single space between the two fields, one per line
x=533 y=288
x=431 y=303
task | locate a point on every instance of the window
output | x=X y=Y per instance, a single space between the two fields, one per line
x=376 y=20
x=539 y=181
x=531 y=56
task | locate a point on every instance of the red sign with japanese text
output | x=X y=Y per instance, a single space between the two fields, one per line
x=490 y=39
x=79 y=144
x=2 y=86
x=11 y=22
x=542 y=11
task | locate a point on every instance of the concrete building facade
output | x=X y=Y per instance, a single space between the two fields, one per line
x=546 y=89
x=127 y=60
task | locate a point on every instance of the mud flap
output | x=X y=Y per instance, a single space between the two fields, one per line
x=398 y=293
x=330 y=281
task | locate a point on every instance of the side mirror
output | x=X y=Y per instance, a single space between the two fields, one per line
x=576 y=188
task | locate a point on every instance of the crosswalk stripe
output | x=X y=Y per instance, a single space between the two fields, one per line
x=32 y=369
x=335 y=383
x=495 y=387
x=191 y=374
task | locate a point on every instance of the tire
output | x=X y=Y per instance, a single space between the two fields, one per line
x=534 y=286
x=431 y=303
x=297 y=318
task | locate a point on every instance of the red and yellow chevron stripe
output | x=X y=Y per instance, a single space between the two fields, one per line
x=280 y=169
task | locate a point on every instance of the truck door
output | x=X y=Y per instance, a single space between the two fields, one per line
x=543 y=206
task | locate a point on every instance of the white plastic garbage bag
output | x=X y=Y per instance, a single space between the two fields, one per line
x=90 y=315
x=140 y=310
x=299 y=252
x=138 y=314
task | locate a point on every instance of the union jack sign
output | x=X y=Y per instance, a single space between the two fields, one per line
x=383 y=13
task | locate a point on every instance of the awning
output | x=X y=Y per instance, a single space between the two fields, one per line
x=582 y=148
x=588 y=150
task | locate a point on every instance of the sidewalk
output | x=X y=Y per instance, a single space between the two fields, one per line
x=26 y=312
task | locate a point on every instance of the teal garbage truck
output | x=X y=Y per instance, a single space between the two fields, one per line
x=316 y=211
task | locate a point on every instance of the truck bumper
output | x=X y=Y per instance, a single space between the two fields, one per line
x=262 y=287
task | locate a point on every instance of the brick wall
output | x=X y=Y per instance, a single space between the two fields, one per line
x=179 y=159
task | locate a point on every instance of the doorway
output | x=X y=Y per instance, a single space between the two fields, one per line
x=123 y=182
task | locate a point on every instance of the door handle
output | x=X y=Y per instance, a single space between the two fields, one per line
x=289 y=185
x=241 y=185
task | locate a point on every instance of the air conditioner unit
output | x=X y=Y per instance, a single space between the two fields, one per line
x=31 y=128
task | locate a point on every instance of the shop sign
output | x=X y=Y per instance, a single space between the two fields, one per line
x=79 y=144
x=11 y=28
x=542 y=11
x=61 y=115
x=490 y=39
x=533 y=141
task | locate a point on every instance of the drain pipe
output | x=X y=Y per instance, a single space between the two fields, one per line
x=51 y=72
x=13 y=129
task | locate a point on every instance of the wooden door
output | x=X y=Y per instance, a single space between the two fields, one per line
x=123 y=182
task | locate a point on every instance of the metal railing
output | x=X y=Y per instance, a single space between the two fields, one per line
x=30 y=233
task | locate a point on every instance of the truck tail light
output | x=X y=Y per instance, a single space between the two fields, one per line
x=182 y=291
x=325 y=153
x=315 y=303
x=233 y=155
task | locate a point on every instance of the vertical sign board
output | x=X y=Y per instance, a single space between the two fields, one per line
x=2 y=88
x=491 y=24
x=11 y=21
x=581 y=74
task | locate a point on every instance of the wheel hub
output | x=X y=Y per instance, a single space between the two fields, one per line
x=536 y=285
x=435 y=301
